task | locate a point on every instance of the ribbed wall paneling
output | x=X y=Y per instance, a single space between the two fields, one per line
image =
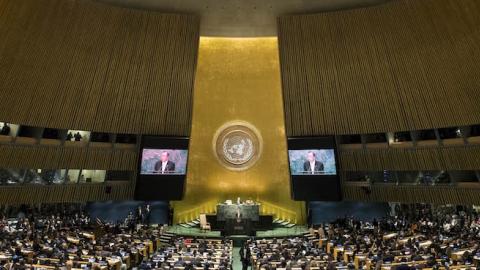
x=48 y=157
x=78 y=64
x=437 y=158
x=31 y=194
x=404 y=65
x=414 y=194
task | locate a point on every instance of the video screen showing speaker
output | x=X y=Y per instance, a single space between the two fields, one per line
x=162 y=168
x=312 y=162
x=163 y=161
x=314 y=169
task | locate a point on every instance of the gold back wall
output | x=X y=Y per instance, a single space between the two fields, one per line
x=404 y=65
x=78 y=64
x=238 y=79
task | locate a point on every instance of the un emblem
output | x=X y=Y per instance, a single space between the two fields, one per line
x=237 y=145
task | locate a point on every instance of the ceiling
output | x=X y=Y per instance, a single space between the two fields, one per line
x=242 y=18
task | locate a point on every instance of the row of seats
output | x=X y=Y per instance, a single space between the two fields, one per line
x=73 y=241
x=70 y=239
x=192 y=254
x=393 y=243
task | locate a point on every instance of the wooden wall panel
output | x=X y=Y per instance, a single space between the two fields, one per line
x=47 y=157
x=414 y=194
x=404 y=65
x=79 y=64
x=31 y=194
x=442 y=158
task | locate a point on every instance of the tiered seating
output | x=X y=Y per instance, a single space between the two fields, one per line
x=73 y=241
x=353 y=245
x=283 y=253
x=189 y=253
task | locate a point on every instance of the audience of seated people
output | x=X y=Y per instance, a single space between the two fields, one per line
x=425 y=240
x=65 y=237
x=69 y=239
x=192 y=254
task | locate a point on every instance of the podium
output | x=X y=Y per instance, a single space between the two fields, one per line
x=233 y=211
x=235 y=226
x=239 y=219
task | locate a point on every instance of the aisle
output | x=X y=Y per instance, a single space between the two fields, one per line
x=237 y=264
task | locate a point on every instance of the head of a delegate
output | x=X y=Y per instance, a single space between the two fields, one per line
x=311 y=156
x=164 y=156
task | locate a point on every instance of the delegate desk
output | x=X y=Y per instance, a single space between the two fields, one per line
x=238 y=218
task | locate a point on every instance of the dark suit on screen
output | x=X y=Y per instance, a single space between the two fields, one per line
x=169 y=167
x=318 y=167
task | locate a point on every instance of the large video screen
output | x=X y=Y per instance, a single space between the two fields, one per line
x=312 y=162
x=314 y=169
x=163 y=161
x=162 y=168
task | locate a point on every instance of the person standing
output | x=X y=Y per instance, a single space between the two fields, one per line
x=164 y=165
x=69 y=136
x=78 y=136
x=5 y=129
x=312 y=165
x=245 y=256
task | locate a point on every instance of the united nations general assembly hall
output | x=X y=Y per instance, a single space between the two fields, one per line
x=239 y=134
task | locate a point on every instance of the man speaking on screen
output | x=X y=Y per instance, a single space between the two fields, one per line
x=164 y=165
x=312 y=165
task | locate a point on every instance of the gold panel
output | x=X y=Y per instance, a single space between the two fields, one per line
x=244 y=132
x=238 y=80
